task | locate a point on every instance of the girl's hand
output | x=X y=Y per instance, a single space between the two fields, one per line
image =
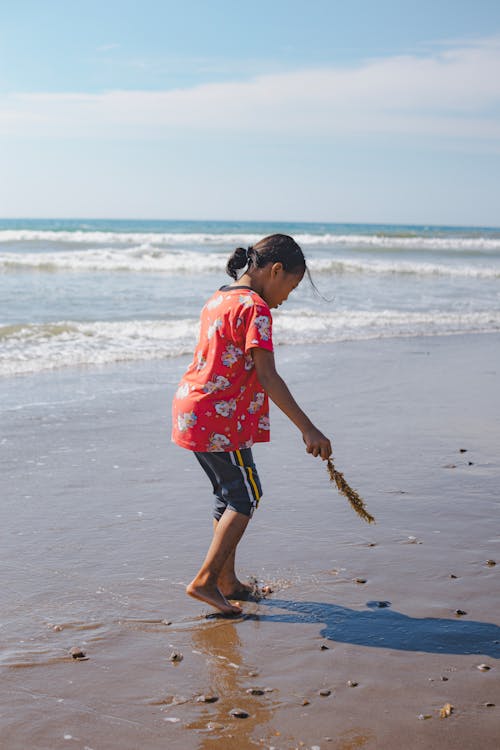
x=317 y=443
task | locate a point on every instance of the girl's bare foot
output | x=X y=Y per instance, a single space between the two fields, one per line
x=210 y=594
x=235 y=589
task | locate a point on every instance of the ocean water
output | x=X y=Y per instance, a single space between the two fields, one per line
x=94 y=292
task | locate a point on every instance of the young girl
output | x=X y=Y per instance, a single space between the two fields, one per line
x=221 y=405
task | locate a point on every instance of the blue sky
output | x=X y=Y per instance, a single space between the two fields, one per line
x=285 y=110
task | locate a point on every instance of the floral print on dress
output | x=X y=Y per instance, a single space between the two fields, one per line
x=182 y=391
x=263 y=323
x=215 y=302
x=213 y=328
x=248 y=362
x=218 y=442
x=186 y=420
x=246 y=300
x=257 y=403
x=200 y=361
x=264 y=423
x=225 y=408
x=218 y=383
x=231 y=355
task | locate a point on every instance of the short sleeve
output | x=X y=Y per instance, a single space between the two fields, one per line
x=259 y=325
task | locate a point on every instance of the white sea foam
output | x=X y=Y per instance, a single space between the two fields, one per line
x=47 y=346
x=33 y=348
x=308 y=326
x=231 y=240
x=412 y=268
x=144 y=259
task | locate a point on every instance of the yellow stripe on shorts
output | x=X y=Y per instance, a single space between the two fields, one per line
x=249 y=473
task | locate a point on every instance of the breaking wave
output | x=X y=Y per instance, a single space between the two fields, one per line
x=146 y=259
x=229 y=240
x=32 y=348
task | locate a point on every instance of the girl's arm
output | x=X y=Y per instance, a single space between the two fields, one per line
x=277 y=389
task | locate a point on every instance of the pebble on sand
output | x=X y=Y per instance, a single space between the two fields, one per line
x=176 y=656
x=490 y=563
x=324 y=692
x=207 y=698
x=460 y=612
x=324 y=647
x=77 y=652
x=360 y=580
x=352 y=683
x=305 y=702
x=489 y=705
x=239 y=713
x=483 y=667
x=255 y=691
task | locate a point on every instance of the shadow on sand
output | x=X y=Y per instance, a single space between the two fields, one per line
x=381 y=626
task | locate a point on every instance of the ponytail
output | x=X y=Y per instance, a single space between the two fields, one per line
x=239 y=259
x=277 y=248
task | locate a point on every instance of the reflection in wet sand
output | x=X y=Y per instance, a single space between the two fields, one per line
x=229 y=678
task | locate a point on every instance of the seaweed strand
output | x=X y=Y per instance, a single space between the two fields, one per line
x=355 y=500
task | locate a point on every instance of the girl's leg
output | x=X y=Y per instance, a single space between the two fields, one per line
x=204 y=586
x=228 y=582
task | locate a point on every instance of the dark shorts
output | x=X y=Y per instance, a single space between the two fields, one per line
x=234 y=479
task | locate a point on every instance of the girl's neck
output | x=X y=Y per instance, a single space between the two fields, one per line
x=251 y=281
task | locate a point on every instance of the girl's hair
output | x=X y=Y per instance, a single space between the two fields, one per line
x=277 y=248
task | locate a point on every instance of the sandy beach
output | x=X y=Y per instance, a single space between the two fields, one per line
x=104 y=521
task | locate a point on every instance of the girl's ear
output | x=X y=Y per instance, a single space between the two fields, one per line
x=277 y=267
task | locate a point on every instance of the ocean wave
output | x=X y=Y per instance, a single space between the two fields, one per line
x=144 y=259
x=32 y=348
x=391 y=240
x=302 y=326
x=402 y=267
x=136 y=259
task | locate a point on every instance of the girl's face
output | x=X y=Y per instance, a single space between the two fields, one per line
x=279 y=284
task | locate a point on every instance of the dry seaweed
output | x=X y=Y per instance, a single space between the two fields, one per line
x=446 y=711
x=355 y=500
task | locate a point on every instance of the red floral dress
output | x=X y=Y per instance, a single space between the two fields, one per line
x=220 y=404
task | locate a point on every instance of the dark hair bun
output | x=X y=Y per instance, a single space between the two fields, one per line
x=237 y=260
x=277 y=248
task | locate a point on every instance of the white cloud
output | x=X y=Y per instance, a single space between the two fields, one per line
x=454 y=93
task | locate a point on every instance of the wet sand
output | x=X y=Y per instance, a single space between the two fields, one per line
x=104 y=522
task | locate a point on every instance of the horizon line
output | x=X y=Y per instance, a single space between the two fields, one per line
x=252 y=221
